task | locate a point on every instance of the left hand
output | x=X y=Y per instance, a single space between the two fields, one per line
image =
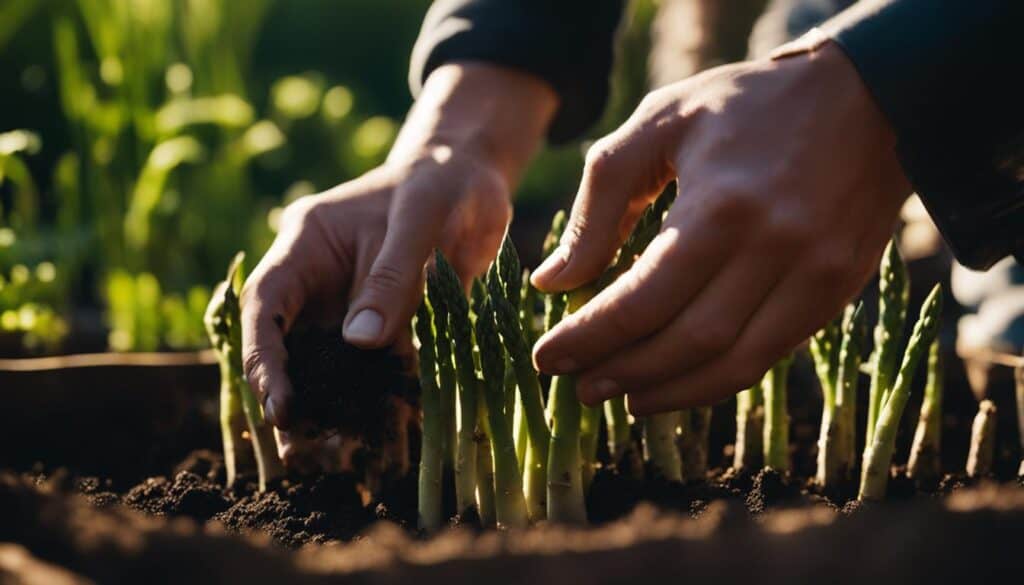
x=789 y=188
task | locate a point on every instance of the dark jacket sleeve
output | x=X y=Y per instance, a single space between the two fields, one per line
x=567 y=43
x=947 y=75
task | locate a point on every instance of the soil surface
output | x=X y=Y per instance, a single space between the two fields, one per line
x=166 y=517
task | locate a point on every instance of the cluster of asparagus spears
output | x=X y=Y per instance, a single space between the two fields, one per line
x=522 y=451
x=837 y=353
x=248 y=439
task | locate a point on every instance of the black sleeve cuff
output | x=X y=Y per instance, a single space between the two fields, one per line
x=945 y=73
x=567 y=43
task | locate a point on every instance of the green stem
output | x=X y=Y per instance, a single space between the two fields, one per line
x=837 y=439
x=238 y=453
x=747 y=453
x=565 y=484
x=983 y=440
x=893 y=296
x=268 y=463
x=433 y=439
x=485 y=485
x=620 y=439
x=510 y=503
x=776 y=414
x=878 y=455
x=660 y=445
x=925 y=463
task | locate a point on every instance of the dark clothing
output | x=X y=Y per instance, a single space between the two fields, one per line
x=945 y=73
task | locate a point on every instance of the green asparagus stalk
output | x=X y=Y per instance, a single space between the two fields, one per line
x=528 y=309
x=776 y=415
x=223 y=321
x=510 y=503
x=660 y=446
x=485 y=480
x=695 y=427
x=878 y=455
x=893 y=296
x=925 y=463
x=983 y=440
x=433 y=438
x=748 y=451
x=450 y=291
x=554 y=236
x=445 y=372
x=1018 y=375
x=824 y=348
x=620 y=439
x=565 y=483
x=504 y=292
x=837 y=440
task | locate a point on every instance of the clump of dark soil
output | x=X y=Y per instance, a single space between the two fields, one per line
x=340 y=388
x=186 y=494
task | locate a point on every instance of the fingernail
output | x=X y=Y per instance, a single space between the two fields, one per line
x=268 y=412
x=604 y=389
x=553 y=265
x=365 y=327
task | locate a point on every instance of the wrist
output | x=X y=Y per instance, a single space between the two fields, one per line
x=496 y=115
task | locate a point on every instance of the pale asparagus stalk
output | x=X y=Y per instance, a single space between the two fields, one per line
x=983 y=440
x=837 y=440
x=776 y=416
x=748 y=452
x=878 y=455
x=432 y=440
x=925 y=463
x=660 y=448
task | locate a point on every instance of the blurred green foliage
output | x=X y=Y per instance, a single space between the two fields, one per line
x=167 y=134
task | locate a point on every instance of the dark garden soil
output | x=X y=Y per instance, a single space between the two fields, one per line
x=164 y=516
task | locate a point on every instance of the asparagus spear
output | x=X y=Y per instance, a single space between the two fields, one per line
x=878 y=455
x=837 y=441
x=983 y=440
x=565 y=484
x=776 y=425
x=445 y=370
x=748 y=451
x=824 y=347
x=485 y=490
x=504 y=298
x=227 y=325
x=660 y=445
x=924 y=463
x=893 y=296
x=695 y=427
x=510 y=504
x=450 y=292
x=432 y=445
x=238 y=453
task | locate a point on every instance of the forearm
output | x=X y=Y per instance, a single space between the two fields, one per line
x=483 y=110
x=944 y=72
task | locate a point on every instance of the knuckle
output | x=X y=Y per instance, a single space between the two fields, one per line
x=734 y=205
x=298 y=212
x=252 y=369
x=600 y=158
x=384 y=279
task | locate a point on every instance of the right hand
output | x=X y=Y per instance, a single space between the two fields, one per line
x=355 y=254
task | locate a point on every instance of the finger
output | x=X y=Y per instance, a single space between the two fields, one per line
x=383 y=299
x=623 y=172
x=704 y=329
x=674 y=268
x=796 y=308
x=270 y=302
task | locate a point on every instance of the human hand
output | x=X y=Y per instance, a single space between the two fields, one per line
x=355 y=254
x=789 y=188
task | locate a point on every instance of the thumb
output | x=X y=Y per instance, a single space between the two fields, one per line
x=623 y=172
x=387 y=297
